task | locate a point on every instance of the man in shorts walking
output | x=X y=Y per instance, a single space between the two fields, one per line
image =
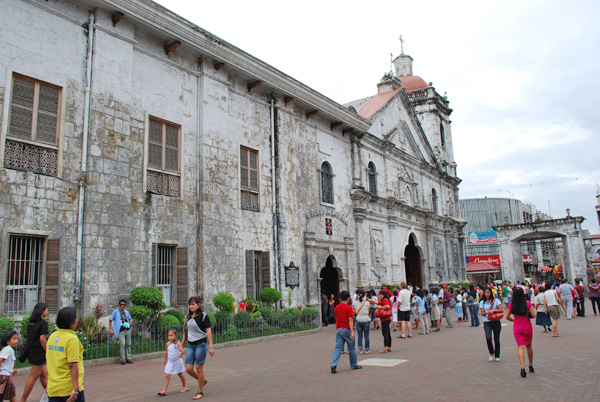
x=404 y=310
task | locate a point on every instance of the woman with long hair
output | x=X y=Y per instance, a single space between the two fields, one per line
x=490 y=305
x=363 y=321
x=37 y=332
x=594 y=295
x=523 y=310
x=384 y=304
x=373 y=297
x=199 y=336
x=436 y=315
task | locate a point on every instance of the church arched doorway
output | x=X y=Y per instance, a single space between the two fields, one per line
x=412 y=259
x=330 y=279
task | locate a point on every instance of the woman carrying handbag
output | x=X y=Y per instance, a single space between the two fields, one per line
x=384 y=313
x=491 y=310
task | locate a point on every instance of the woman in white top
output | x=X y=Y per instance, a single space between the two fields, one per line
x=363 y=321
x=542 y=318
x=551 y=302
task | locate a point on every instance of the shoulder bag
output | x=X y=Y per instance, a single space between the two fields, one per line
x=494 y=316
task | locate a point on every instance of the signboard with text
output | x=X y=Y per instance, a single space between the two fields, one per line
x=494 y=259
x=488 y=236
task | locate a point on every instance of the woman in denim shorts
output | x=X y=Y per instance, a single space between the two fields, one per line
x=199 y=336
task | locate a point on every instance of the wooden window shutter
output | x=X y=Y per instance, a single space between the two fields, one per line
x=181 y=277
x=51 y=296
x=265 y=270
x=21 y=114
x=250 y=273
x=153 y=264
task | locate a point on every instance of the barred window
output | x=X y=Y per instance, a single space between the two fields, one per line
x=32 y=134
x=24 y=267
x=326 y=183
x=372 y=178
x=163 y=158
x=163 y=260
x=249 y=179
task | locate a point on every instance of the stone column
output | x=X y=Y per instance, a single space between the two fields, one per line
x=538 y=252
x=575 y=264
x=507 y=260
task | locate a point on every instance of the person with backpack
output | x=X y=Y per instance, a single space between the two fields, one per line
x=199 y=338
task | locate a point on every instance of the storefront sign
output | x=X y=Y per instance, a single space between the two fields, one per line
x=494 y=259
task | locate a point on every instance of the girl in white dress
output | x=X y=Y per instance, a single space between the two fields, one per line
x=173 y=362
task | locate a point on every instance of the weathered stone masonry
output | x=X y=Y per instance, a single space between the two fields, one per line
x=218 y=99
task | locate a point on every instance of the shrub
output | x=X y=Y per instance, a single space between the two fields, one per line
x=222 y=316
x=140 y=313
x=223 y=301
x=147 y=296
x=309 y=312
x=6 y=324
x=212 y=318
x=168 y=321
x=242 y=319
x=293 y=314
x=266 y=312
x=270 y=295
x=177 y=314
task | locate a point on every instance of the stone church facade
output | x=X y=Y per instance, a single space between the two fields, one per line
x=138 y=149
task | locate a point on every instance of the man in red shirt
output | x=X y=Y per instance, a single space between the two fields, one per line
x=344 y=333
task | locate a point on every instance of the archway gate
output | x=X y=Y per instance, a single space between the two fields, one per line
x=568 y=229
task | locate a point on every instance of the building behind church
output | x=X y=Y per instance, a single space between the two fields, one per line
x=137 y=148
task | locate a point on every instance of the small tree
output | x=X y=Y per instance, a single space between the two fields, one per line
x=224 y=302
x=270 y=295
x=148 y=296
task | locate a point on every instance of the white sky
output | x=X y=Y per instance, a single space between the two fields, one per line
x=522 y=77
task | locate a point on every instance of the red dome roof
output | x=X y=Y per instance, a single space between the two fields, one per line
x=412 y=82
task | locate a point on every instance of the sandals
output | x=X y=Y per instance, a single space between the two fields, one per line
x=199 y=395
x=184 y=389
x=383 y=351
x=161 y=393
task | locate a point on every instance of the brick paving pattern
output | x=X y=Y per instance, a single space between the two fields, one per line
x=450 y=365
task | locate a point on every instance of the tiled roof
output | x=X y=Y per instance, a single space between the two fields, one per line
x=409 y=82
x=481 y=266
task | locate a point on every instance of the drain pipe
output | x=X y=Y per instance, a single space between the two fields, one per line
x=84 y=156
x=274 y=196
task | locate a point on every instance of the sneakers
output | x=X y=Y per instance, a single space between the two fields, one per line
x=523 y=373
x=333 y=369
x=497 y=359
x=491 y=358
x=357 y=367
x=531 y=370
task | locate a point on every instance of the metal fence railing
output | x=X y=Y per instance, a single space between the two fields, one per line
x=148 y=337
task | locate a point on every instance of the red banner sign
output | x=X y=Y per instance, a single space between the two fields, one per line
x=494 y=259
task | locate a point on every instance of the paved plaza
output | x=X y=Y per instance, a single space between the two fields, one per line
x=451 y=365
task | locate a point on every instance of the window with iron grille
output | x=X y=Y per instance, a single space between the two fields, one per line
x=249 y=179
x=163 y=268
x=326 y=183
x=434 y=201
x=163 y=176
x=23 y=272
x=32 y=136
x=372 y=179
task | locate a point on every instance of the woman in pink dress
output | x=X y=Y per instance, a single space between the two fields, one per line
x=520 y=311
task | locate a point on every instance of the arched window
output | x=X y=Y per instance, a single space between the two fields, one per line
x=372 y=179
x=326 y=183
x=442 y=135
x=434 y=201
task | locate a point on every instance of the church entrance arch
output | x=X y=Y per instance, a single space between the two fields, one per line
x=330 y=278
x=412 y=259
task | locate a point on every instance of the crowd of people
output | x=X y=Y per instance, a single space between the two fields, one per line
x=401 y=308
x=57 y=359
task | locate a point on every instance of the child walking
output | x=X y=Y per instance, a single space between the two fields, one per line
x=173 y=362
x=9 y=342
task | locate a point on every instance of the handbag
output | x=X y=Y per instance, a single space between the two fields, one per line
x=381 y=313
x=494 y=316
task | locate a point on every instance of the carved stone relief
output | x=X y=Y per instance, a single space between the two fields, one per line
x=377 y=253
